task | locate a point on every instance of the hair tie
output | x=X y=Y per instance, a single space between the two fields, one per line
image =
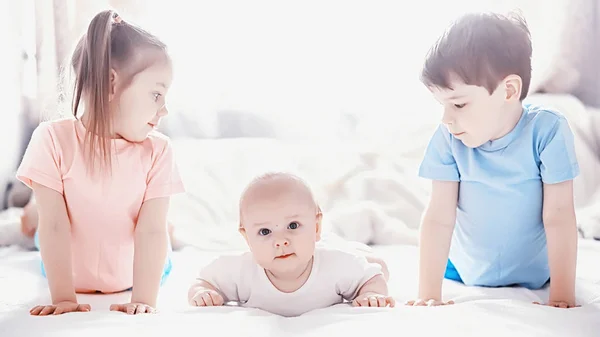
x=116 y=18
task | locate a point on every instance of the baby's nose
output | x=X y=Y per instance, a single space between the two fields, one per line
x=280 y=243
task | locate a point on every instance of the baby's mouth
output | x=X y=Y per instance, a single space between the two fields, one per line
x=284 y=256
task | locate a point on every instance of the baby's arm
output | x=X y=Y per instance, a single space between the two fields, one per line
x=436 y=233
x=203 y=294
x=561 y=233
x=374 y=293
x=55 y=248
x=219 y=282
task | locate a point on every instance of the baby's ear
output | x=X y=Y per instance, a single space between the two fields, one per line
x=242 y=231
x=319 y=224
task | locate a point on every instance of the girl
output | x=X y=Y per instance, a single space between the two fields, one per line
x=102 y=180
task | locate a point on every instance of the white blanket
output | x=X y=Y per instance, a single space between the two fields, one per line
x=369 y=191
x=364 y=195
x=478 y=312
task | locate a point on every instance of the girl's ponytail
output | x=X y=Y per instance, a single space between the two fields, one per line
x=92 y=63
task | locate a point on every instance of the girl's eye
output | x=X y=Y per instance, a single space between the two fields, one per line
x=293 y=225
x=156 y=96
x=264 y=231
x=460 y=106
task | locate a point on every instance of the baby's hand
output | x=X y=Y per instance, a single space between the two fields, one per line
x=133 y=308
x=373 y=300
x=60 y=308
x=428 y=303
x=207 y=298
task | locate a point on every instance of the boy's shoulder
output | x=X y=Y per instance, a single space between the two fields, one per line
x=543 y=115
x=544 y=121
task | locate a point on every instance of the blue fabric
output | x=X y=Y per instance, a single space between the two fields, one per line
x=166 y=271
x=499 y=238
x=451 y=272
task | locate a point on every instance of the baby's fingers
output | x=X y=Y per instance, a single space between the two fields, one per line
x=207 y=299
x=217 y=299
x=359 y=302
x=390 y=301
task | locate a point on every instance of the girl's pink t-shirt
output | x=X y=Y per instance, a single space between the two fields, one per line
x=103 y=209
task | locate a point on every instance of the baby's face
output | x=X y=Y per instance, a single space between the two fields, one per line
x=281 y=231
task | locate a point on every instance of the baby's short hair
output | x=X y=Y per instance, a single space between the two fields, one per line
x=481 y=49
x=273 y=176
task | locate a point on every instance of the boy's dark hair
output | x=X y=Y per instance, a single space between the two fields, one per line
x=481 y=49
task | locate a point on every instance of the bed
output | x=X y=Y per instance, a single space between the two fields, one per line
x=477 y=312
x=369 y=193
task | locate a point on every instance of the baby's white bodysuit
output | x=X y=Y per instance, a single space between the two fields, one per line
x=336 y=275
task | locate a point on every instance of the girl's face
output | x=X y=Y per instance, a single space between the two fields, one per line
x=139 y=107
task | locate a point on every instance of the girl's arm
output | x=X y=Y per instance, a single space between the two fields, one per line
x=436 y=234
x=151 y=244
x=54 y=232
x=561 y=233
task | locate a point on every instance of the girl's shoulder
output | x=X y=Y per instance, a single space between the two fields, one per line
x=158 y=142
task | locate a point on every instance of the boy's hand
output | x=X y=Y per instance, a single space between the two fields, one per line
x=133 y=308
x=559 y=304
x=59 y=308
x=207 y=298
x=428 y=303
x=373 y=300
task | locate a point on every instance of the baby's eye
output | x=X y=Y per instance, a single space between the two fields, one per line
x=264 y=231
x=293 y=225
x=460 y=106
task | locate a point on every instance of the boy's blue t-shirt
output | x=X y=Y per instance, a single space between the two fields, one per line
x=499 y=237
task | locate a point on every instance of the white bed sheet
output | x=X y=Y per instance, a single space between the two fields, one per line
x=478 y=312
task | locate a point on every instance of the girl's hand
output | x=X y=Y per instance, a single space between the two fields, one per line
x=133 y=308
x=59 y=308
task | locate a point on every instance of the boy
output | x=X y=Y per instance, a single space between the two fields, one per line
x=285 y=273
x=501 y=209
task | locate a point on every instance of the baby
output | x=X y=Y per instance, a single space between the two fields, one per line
x=285 y=273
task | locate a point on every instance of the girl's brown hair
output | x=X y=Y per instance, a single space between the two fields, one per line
x=109 y=43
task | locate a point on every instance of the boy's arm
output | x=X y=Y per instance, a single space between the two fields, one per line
x=435 y=237
x=150 y=252
x=561 y=233
x=54 y=232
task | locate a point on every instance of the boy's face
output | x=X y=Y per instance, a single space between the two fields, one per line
x=471 y=114
x=281 y=229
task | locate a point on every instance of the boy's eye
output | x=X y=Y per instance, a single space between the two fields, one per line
x=460 y=106
x=293 y=225
x=264 y=231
